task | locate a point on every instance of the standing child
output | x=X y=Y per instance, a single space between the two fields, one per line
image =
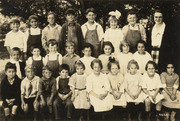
x=47 y=91
x=62 y=104
x=33 y=35
x=71 y=57
x=133 y=90
x=151 y=86
x=10 y=91
x=29 y=93
x=92 y=31
x=53 y=59
x=141 y=56
x=124 y=57
x=114 y=34
x=15 y=38
x=133 y=32
x=71 y=31
x=87 y=58
x=80 y=97
x=116 y=80
x=51 y=31
x=20 y=65
x=36 y=60
x=106 y=55
x=170 y=82
x=98 y=88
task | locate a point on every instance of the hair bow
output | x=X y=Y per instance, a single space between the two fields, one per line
x=116 y=13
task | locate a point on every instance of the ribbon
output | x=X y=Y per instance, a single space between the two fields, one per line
x=116 y=13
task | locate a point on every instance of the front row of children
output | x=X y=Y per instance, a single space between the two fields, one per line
x=105 y=92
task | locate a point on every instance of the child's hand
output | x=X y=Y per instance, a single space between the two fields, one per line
x=173 y=97
x=23 y=104
x=43 y=103
x=49 y=102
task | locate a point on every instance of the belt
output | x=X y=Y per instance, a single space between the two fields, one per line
x=155 y=48
x=80 y=89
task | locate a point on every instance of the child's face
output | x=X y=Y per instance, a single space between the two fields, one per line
x=91 y=16
x=107 y=49
x=158 y=18
x=87 y=51
x=64 y=73
x=96 y=68
x=170 y=69
x=15 y=26
x=52 y=48
x=133 y=69
x=15 y=55
x=125 y=49
x=70 y=17
x=80 y=70
x=29 y=73
x=141 y=48
x=47 y=74
x=36 y=52
x=10 y=73
x=150 y=70
x=113 y=24
x=114 y=69
x=51 y=19
x=70 y=49
x=131 y=19
x=33 y=23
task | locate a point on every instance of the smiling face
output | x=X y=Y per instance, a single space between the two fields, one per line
x=96 y=68
x=141 y=48
x=131 y=18
x=51 y=19
x=47 y=74
x=114 y=69
x=36 y=52
x=113 y=23
x=70 y=50
x=107 y=49
x=80 y=70
x=33 y=23
x=150 y=70
x=87 y=52
x=15 y=55
x=91 y=17
x=158 y=18
x=15 y=26
x=170 y=69
x=125 y=49
x=10 y=72
x=64 y=73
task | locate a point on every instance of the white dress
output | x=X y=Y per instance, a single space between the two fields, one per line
x=99 y=84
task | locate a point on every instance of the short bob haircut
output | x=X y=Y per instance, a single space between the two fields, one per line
x=70 y=11
x=33 y=17
x=152 y=63
x=158 y=11
x=113 y=62
x=16 y=49
x=15 y=20
x=141 y=42
x=30 y=67
x=132 y=62
x=51 y=13
x=10 y=65
x=64 y=67
x=96 y=61
x=108 y=43
x=35 y=47
x=123 y=43
x=131 y=12
x=79 y=63
x=52 y=42
x=112 y=18
x=70 y=43
x=87 y=45
x=46 y=68
x=90 y=10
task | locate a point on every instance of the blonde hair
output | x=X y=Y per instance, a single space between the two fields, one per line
x=29 y=67
x=132 y=62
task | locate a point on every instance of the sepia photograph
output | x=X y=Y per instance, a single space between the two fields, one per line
x=89 y=60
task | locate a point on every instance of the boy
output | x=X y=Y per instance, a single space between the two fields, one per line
x=29 y=93
x=15 y=59
x=87 y=58
x=70 y=58
x=92 y=31
x=15 y=38
x=51 y=31
x=47 y=90
x=71 y=31
x=10 y=91
x=62 y=104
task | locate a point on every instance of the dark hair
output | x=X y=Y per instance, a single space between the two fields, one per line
x=15 y=20
x=96 y=61
x=87 y=45
x=46 y=68
x=52 y=42
x=51 y=13
x=151 y=62
x=132 y=62
x=158 y=11
x=10 y=65
x=123 y=43
x=79 y=63
x=113 y=61
x=70 y=11
x=35 y=47
x=64 y=67
x=90 y=10
x=131 y=12
x=142 y=42
x=33 y=17
x=16 y=49
x=108 y=43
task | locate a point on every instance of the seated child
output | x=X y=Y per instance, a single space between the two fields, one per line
x=29 y=93
x=47 y=91
x=62 y=104
x=80 y=97
x=53 y=59
x=36 y=60
x=10 y=91
x=71 y=57
x=87 y=58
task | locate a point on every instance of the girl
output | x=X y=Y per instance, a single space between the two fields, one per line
x=170 y=82
x=141 y=56
x=33 y=35
x=133 y=92
x=108 y=49
x=98 y=88
x=117 y=89
x=36 y=60
x=151 y=85
x=80 y=98
x=114 y=34
x=124 y=57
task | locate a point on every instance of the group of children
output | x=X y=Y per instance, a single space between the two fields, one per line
x=57 y=79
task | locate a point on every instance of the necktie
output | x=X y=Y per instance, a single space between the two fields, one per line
x=29 y=89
